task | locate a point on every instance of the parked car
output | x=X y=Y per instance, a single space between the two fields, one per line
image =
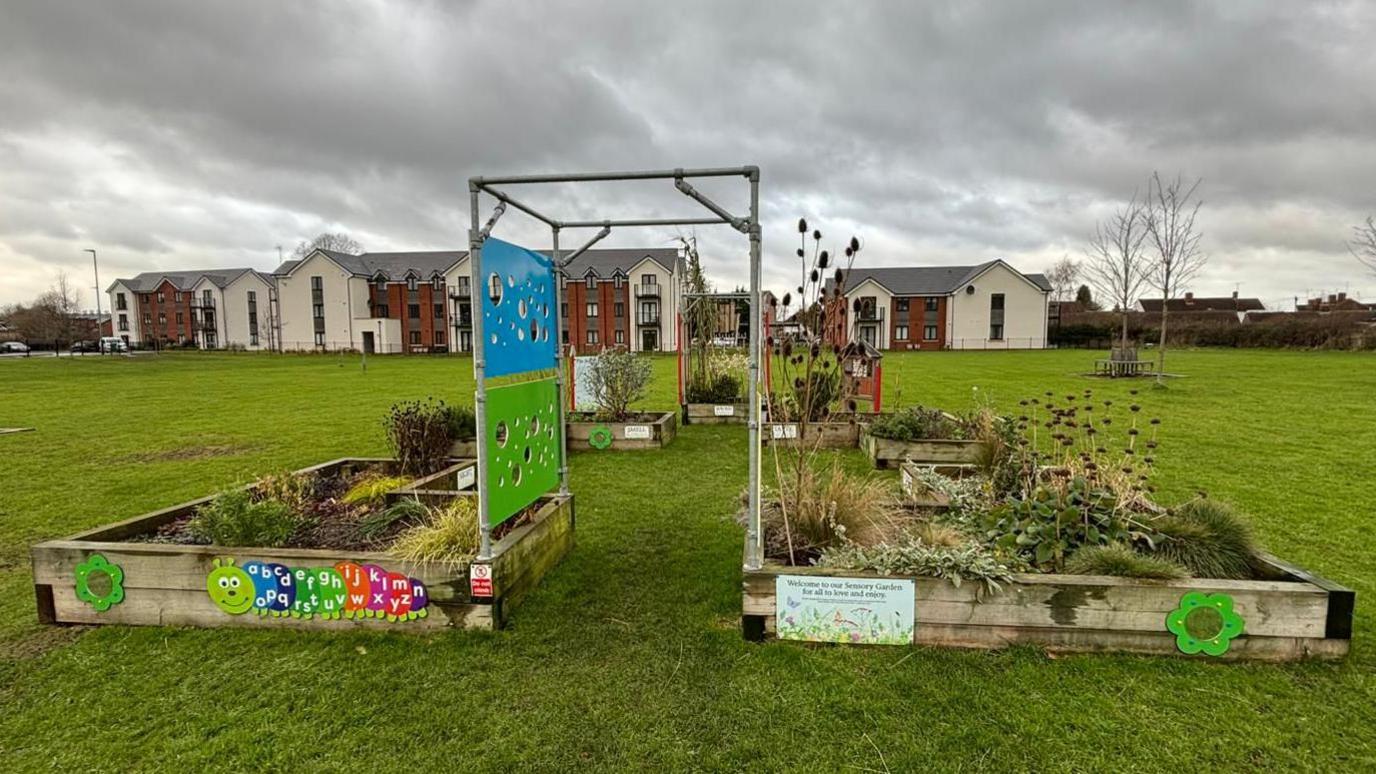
x=85 y=346
x=113 y=344
x=13 y=346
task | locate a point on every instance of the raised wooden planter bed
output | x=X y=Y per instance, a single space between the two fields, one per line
x=1296 y=615
x=824 y=435
x=652 y=431
x=885 y=452
x=171 y=585
x=461 y=476
x=716 y=413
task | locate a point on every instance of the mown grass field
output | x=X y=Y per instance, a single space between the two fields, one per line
x=629 y=656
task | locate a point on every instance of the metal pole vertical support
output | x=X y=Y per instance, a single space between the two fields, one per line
x=479 y=285
x=755 y=548
x=559 y=356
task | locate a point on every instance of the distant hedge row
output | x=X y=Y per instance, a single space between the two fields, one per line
x=1331 y=331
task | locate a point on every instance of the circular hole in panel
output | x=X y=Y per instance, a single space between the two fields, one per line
x=494 y=291
x=522 y=308
x=527 y=454
x=502 y=433
x=534 y=331
x=510 y=281
x=521 y=334
x=501 y=480
x=544 y=334
x=515 y=475
x=534 y=425
x=494 y=338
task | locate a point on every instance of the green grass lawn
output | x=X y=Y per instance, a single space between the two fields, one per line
x=629 y=656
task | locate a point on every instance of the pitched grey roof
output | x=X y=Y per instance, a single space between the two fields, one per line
x=928 y=280
x=604 y=263
x=182 y=280
x=395 y=265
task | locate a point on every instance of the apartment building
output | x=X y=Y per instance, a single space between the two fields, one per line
x=627 y=297
x=416 y=302
x=407 y=302
x=989 y=306
x=210 y=308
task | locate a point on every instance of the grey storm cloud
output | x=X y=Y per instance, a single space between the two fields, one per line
x=175 y=134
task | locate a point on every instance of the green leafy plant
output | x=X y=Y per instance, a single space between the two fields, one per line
x=1052 y=523
x=1209 y=538
x=1120 y=560
x=618 y=378
x=720 y=388
x=463 y=423
x=913 y=556
x=297 y=491
x=407 y=510
x=915 y=423
x=372 y=489
x=234 y=518
x=449 y=535
x=419 y=434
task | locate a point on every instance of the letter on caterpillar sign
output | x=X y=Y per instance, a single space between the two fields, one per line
x=345 y=590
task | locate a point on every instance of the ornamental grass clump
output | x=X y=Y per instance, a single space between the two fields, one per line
x=819 y=509
x=1209 y=538
x=1120 y=560
x=371 y=489
x=448 y=535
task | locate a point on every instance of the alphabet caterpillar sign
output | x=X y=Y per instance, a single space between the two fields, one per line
x=346 y=590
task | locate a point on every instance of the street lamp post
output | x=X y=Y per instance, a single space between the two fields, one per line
x=96 y=265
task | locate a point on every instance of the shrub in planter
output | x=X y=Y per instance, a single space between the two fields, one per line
x=913 y=556
x=618 y=378
x=816 y=510
x=916 y=423
x=372 y=489
x=234 y=518
x=418 y=433
x=463 y=423
x=721 y=388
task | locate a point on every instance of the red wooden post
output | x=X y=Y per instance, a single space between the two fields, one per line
x=878 y=385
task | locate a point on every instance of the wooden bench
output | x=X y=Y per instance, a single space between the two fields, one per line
x=1111 y=367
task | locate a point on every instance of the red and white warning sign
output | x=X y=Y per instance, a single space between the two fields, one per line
x=480 y=580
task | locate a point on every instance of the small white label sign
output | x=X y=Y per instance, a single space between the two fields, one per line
x=638 y=432
x=724 y=411
x=465 y=478
x=779 y=432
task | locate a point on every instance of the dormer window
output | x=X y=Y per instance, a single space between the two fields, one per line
x=437 y=283
x=619 y=280
x=592 y=282
x=381 y=283
x=410 y=282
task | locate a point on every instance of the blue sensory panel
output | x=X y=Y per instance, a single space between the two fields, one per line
x=517 y=289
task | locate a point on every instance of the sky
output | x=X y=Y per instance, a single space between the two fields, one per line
x=174 y=135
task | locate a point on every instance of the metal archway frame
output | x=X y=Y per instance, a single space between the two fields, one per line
x=748 y=225
x=685 y=355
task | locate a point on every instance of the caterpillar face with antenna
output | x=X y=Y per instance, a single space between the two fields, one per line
x=346 y=590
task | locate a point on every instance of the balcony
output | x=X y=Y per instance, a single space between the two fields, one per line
x=647 y=291
x=463 y=321
x=461 y=291
x=202 y=303
x=648 y=318
x=869 y=314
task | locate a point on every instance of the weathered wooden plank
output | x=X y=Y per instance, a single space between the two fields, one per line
x=662 y=430
x=885 y=452
x=713 y=414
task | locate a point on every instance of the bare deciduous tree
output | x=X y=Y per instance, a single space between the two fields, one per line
x=1363 y=243
x=1117 y=263
x=1169 y=216
x=1063 y=275
x=340 y=243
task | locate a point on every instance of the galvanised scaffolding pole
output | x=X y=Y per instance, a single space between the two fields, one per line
x=479 y=284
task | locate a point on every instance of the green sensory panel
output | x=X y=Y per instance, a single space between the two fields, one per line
x=522 y=446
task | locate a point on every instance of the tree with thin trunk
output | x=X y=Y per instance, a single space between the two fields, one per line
x=1116 y=259
x=339 y=243
x=1170 y=219
x=1363 y=243
x=1063 y=275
